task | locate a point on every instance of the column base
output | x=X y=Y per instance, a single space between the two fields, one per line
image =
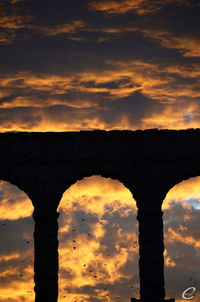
x=152 y=300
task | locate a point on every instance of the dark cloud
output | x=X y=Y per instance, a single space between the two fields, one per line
x=23 y=117
x=115 y=69
x=181 y=250
x=14 y=235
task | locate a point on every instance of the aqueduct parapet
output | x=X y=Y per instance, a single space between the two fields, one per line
x=149 y=163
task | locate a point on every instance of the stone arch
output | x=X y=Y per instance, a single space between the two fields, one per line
x=16 y=246
x=182 y=243
x=87 y=233
x=45 y=164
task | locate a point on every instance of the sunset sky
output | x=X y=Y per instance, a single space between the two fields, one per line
x=71 y=65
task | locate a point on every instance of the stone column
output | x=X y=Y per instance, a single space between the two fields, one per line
x=151 y=248
x=46 y=254
x=151 y=245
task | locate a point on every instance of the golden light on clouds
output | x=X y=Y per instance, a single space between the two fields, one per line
x=68 y=28
x=97 y=250
x=12 y=22
x=16 y=251
x=16 y=1
x=152 y=80
x=182 y=243
x=168 y=261
x=139 y=6
x=81 y=94
x=90 y=208
x=173 y=118
x=188 y=46
x=17 y=280
x=15 y=204
x=175 y=236
x=97 y=193
x=180 y=193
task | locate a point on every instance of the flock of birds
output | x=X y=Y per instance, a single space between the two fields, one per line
x=108 y=292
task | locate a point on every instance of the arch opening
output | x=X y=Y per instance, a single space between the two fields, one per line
x=98 y=242
x=16 y=245
x=182 y=239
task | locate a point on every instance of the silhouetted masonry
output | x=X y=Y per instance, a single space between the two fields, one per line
x=149 y=163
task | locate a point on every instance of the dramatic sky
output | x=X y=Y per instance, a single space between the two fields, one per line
x=108 y=64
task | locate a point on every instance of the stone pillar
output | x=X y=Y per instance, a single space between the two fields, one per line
x=151 y=261
x=151 y=244
x=46 y=254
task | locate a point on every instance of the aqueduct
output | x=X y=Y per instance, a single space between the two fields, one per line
x=149 y=163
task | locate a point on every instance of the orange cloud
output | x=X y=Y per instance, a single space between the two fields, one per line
x=99 y=190
x=10 y=23
x=180 y=238
x=174 y=86
x=66 y=28
x=16 y=1
x=19 y=285
x=156 y=81
x=16 y=260
x=14 y=22
x=84 y=258
x=168 y=260
x=173 y=117
x=6 y=39
x=187 y=189
x=14 y=207
x=176 y=236
x=188 y=46
x=140 y=6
